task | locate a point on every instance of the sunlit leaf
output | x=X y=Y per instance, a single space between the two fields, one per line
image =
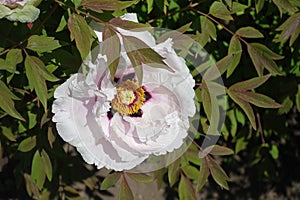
x=36 y=79
x=173 y=172
x=259 y=100
x=149 y=5
x=37 y=170
x=235 y=96
x=47 y=164
x=284 y=5
x=191 y=172
x=259 y=4
x=111 y=48
x=8 y=134
x=218 y=150
x=140 y=53
x=186 y=190
x=7 y=103
x=125 y=192
x=204 y=173
x=250 y=84
x=62 y=24
x=31 y=186
x=141 y=178
x=81 y=33
x=262 y=57
x=208 y=27
x=249 y=32
x=219 y=10
x=110 y=180
x=218 y=173
x=27 y=144
x=289 y=29
x=42 y=43
x=129 y=25
x=238 y=7
x=235 y=51
x=13 y=57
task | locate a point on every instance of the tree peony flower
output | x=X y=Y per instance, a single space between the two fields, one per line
x=119 y=125
x=19 y=10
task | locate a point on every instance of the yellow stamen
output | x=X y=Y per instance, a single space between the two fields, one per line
x=129 y=98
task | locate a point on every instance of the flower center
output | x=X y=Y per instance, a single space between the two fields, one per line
x=129 y=98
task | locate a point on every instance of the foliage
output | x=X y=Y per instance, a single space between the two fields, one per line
x=255 y=42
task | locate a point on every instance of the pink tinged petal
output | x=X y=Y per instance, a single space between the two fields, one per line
x=158 y=131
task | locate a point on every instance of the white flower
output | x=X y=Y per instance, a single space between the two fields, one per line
x=19 y=10
x=118 y=126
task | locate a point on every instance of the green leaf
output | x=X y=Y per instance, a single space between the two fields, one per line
x=208 y=27
x=238 y=8
x=129 y=25
x=42 y=43
x=259 y=100
x=298 y=99
x=125 y=192
x=7 y=103
x=191 y=172
x=8 y=134
x=111 y=48
x=218 y=173
x=235 y=50
x=219 y=10
x=37 y=171
x=290 y=29
x=173 y=172
x=100 y=5
x=204 y=173
x=249 y=32
x=218 y=150
x=141 y=178
x=284 y=5
x=149 y=5
x=259 y=4
x=50 y=136
x=110 y=180
x=250 y=84
x=240 y=145
x=261 y=57
x=140 y=53
x=176 y=35
x=81 y=33
x=274 y=151
x=27 y=144
x=62 y=24
x=26 y=14
x=34 y=66
x=31 y=186
x=244 y=105
x=186 y=190
x=287 y=105
x=13 y=58
x=47 y=166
